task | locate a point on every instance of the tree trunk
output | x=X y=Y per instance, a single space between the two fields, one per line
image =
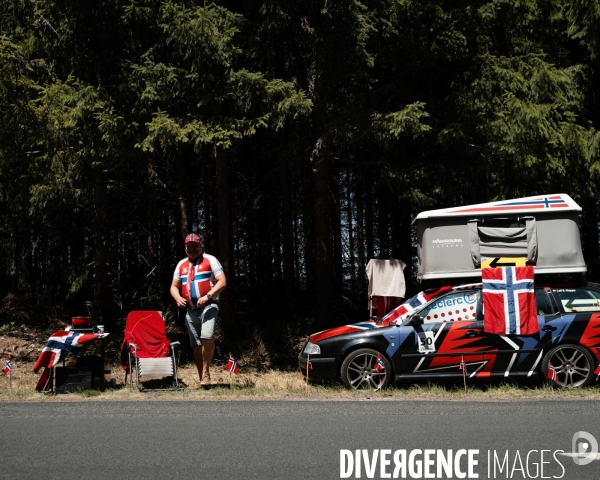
x=103 y=294
x=382 y=221
x=336 y=230
x=349 y=216
x=182 y=194
x=322 y=228
x=224 y=246
x=396 y=226
x=406 y=250
x=360 y=230
x=369 y=233
x=287 y=241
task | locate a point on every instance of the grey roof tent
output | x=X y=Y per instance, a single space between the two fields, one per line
x=541 y=230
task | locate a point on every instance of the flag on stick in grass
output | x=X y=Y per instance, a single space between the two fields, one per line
x=379 y=366
x=597 y=372
x=463 y=368
x=7 y=366
x=232 y=366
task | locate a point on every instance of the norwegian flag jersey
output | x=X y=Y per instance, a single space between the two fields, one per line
x=197 y=277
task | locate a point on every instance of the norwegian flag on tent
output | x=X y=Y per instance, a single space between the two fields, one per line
x=58 y=346
x=406 y=309
x=509 y=301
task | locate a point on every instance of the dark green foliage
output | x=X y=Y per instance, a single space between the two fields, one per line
x=300 y=138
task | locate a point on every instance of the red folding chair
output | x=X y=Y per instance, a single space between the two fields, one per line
x=147 y=348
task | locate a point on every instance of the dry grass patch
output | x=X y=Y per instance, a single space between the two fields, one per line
x=284 y=385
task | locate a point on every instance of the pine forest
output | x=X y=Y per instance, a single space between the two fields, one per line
x=298 y=138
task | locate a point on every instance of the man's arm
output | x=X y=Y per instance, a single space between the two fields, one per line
x=175 y=286
x=218 y=287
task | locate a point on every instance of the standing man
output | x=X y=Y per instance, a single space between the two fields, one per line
x=200 y=278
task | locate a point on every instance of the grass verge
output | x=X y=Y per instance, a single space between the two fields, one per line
x=286 y=385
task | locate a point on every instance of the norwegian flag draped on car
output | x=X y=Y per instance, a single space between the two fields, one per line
x=58 y=346
x=405 y=310
x=509 y=301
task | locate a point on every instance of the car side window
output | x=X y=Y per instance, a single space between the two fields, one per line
x=454 y=307
x=542 y=301
x=578 y=299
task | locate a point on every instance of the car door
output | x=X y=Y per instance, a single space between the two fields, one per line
x=519 y=356
x=444 y=338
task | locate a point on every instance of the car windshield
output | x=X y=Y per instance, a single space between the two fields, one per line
x=578 y=299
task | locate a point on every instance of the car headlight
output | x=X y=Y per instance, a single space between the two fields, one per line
x=312 y=349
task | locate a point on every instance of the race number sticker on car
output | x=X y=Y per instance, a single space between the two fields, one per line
x=426 y=342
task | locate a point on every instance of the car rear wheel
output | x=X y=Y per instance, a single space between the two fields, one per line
x=573 y=366
x=360 y=371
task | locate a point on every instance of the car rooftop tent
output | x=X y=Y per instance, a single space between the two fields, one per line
x=542 y=231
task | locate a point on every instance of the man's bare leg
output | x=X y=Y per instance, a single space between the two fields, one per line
x=198 y=360
x=208 y=350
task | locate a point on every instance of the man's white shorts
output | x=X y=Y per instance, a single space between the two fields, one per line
x=201 y=323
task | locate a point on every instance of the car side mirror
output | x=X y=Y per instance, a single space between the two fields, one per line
x=416 y=320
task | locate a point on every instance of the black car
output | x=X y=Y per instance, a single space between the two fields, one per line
x=445 y=334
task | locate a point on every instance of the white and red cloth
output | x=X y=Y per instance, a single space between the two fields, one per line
x=509 y=301
x=58 y=346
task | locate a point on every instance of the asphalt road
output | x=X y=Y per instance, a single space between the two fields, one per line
x=292 y=440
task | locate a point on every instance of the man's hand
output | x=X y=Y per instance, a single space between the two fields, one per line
x=202 y=301
x=181 y=302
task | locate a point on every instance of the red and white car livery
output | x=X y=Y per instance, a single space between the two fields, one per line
x=431 y=334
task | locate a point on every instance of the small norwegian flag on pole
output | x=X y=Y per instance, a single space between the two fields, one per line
x=232 y=366
x=8 y=369
x=379 y=366
x=463 y=368
x=7 y=366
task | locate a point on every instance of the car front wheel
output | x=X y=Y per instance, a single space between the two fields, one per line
x=568 y=366
x=365 y=369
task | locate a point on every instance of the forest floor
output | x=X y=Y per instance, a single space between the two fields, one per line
x=251 y=383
